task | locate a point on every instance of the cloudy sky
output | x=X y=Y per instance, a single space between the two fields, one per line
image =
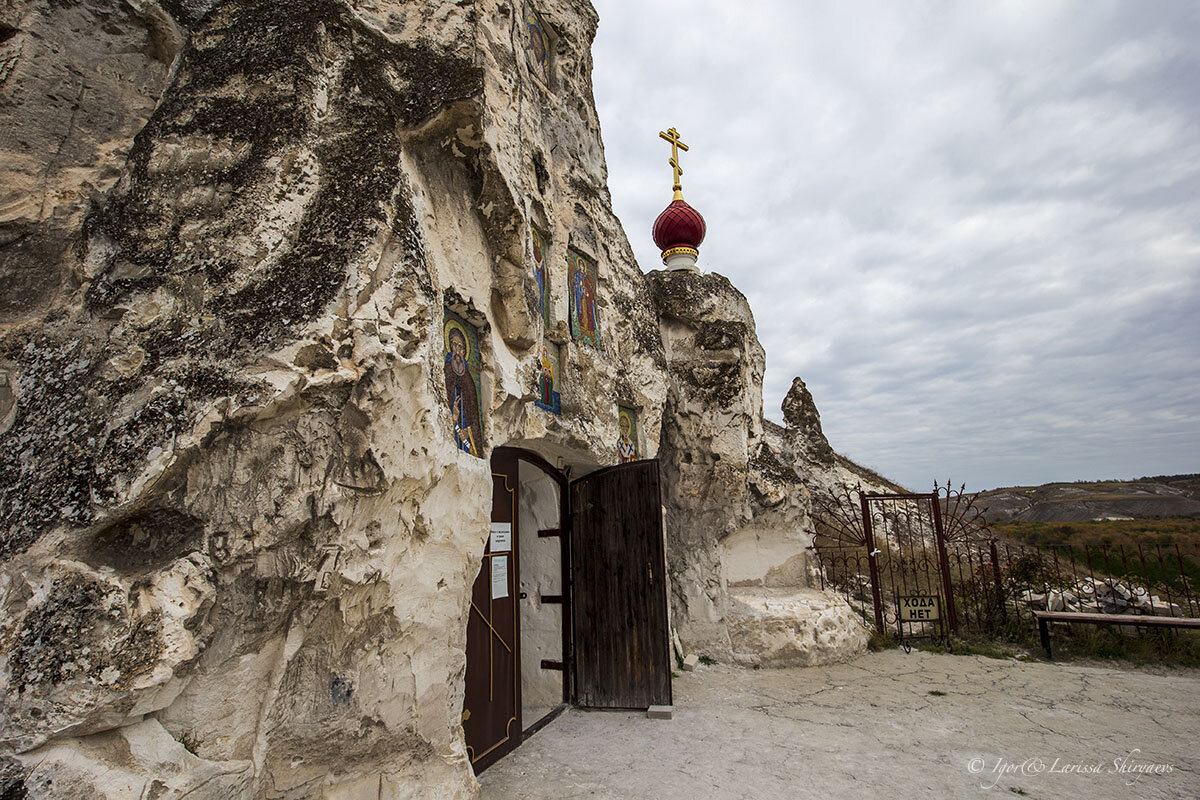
x=972 y=228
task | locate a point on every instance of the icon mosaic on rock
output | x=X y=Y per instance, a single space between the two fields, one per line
x=537 y=46
x=549 y=379
x=582 y=281
x=462 y=365
x=627 y=444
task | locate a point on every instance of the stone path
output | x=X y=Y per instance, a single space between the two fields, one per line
x=872 y=729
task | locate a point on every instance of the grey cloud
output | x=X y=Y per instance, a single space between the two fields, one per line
x=972 y=229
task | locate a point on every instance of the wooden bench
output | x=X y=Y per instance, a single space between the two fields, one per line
x=1044 y=618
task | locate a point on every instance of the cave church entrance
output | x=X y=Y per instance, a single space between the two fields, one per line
x=605 y=584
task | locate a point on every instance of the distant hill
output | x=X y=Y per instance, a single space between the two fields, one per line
x=1157 y=496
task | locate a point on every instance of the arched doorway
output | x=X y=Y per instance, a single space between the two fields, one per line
x=570 y=604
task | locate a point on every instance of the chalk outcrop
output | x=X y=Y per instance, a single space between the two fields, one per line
x=238 y=538
x=738 y=524
x=233 y=518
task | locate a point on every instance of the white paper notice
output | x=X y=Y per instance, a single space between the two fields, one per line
x=499 y=577
x=501 y=537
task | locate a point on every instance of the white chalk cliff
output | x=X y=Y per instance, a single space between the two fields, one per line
x=238 y=539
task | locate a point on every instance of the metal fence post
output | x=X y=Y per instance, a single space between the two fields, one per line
x=944 y=559
x=1001 y=601
x=871 y=561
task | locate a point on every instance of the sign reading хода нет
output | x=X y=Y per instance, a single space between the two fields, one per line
x=919 y=608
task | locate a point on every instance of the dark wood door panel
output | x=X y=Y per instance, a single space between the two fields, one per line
x=621 y=656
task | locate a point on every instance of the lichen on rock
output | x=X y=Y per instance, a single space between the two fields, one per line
x=237 y=541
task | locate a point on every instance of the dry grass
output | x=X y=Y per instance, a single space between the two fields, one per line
x=1184 y=531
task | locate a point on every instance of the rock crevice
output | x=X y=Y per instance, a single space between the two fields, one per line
x=237 y=537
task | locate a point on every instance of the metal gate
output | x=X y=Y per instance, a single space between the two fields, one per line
x=919 y=566
x=907 y=558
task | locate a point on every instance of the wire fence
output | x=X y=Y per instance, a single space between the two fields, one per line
x=1149 y=579
x=993 y=583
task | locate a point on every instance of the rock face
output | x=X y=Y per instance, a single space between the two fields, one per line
x=738 y=522
x=77 y=82
x=803 y=424
x=246 y=248
x=793 y=627
x=712 y=419
x=234 y=516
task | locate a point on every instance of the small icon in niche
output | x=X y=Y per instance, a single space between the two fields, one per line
x=627 y=445
x=461 y=369
x=548 y=380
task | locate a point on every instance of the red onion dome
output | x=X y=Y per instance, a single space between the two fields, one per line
x=679 y=228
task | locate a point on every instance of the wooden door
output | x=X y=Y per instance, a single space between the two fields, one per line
x=492 y=705
x=621 y=641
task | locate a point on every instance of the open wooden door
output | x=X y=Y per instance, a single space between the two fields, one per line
x=492 y=705
x=621 y=639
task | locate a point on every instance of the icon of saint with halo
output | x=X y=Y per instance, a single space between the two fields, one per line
x=461 y=389
x=627 y=445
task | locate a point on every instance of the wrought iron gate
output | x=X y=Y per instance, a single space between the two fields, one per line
x=918 y=566
x=908 y=565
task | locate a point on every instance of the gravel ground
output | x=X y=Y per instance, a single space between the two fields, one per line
x=880 y=727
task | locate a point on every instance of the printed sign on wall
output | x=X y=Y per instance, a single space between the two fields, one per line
x=499 y=577
x=501 y=537
x=919 y=608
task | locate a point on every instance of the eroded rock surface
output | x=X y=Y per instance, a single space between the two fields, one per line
x=803 y=425
x=793 y=627
x=738 y=524
x=238 y=540
x=712 y=423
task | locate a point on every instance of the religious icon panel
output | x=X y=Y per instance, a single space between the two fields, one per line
x=462 y=365
x=582 y=282
x=627 y=444
x=549 y=379
x=537 y=46
x=540 y=243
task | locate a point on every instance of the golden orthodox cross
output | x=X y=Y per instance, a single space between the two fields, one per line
x=672 y=136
